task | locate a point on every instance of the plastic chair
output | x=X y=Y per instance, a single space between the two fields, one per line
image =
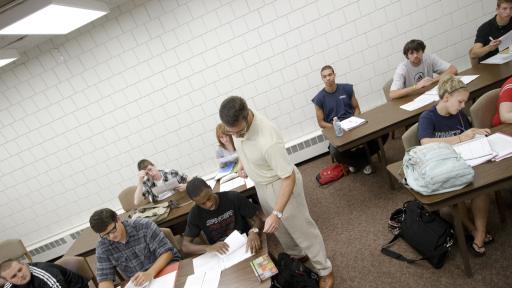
x=484 y=109
x=127 y=199
x=13 y=249
x=410 y=137
x=78 y=265
x=386 y=88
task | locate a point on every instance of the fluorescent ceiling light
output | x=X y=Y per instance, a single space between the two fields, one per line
x=7 y=56
x=47 y=17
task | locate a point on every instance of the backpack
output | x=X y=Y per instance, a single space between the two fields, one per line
x=435 y=168
x=292 y=274
x=426 y=232
x=331 y=173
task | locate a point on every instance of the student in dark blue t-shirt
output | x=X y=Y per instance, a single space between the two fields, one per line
x=338 y=100
x=446 y=122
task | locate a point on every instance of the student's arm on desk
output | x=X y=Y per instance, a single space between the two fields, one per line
x=254 y=238
x=142 y=277
x=195 y=249
x=320 y=117
x=478 y=50
x=467 y=135
x=450 y=71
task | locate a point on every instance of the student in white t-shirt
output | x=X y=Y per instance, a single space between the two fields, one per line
x=416 y=75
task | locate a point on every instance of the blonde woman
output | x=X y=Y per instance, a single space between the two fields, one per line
x=446 y=122
x=226 y=153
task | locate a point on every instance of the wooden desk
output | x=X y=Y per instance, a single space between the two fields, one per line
x=489 y=177
x=389 y=116
x=239 y=275
x=85 y=245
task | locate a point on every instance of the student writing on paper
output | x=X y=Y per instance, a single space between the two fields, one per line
x=137 y=248
x=339 y=100
x=488 y=35
x=446 y=122
x=504 y=105
x=226 y=153
x=151 y=181
x=278 y=183
x=416 y=75
x=217 y=215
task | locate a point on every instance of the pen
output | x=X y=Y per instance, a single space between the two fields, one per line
x=490 y=38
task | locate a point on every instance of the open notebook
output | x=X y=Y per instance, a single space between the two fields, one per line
x=481 y=149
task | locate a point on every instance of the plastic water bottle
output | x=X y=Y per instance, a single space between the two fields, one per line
x=337 y=126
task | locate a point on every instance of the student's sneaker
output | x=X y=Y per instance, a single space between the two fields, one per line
x=368 y=170
x=352 y=169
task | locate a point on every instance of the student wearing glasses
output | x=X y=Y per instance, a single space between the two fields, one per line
x=136 y=247
x=446 y=122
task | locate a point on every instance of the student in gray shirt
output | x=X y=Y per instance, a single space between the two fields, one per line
x=416 y=75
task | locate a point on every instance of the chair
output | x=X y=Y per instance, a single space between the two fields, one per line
x=473 y=61
x=386 y=88
x=13 y=249
x=484 y=109
x=127 y=199
x=78 y=265
x=168 y=234
x=410 y=137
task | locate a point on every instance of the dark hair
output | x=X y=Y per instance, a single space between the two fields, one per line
x=143 y=164
x=503 y=1
x=196 y=186
x=329 y=67
x=232 y=110
x=100 y=219
x=414 y=45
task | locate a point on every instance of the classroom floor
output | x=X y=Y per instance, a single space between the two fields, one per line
x=352 y=215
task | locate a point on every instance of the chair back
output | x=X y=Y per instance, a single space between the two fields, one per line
x=473 y=61
x=386 y=88
x=410 y=137
x=13 y=249
x=127 y=199
x=170 y=236
x=484 y=109
x=78 y=265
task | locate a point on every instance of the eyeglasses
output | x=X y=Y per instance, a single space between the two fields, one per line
x=239 y=132
x=109 y=233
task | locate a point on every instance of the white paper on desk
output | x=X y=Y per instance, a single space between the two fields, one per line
x=249 y=183
x=232 y=184
x=475 y=151
x=467 y=78
x=165 y=281
x=506 y=41
x=419 y=102
x=208 y=279
x=501 y=144
x=499 y=58
x=211 y=183
x=352 y=122
x=131 y=285
x=235 y=240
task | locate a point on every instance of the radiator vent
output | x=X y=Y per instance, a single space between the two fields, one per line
x=53 y=249
x=307 y=147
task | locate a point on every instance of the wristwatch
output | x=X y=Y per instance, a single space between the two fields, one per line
x=278 y=214
x=255 y=230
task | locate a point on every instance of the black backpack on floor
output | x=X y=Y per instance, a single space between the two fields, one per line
x=292 y=274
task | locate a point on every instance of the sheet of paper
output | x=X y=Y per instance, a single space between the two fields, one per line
x=236 y=256
x=165 y=281
x=206 y=262
x=499 y=58
x=506 y=41
x=235 y=240
x=501 y=144
x=131 y=285
x=351 y=123
x=232 y=184
x=419 y=102
x=467 y=78
x=249 y=183
x=475 y=148
x=208 y=279
x=478 y=161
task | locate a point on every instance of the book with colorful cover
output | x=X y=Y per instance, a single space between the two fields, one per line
x=263 y=267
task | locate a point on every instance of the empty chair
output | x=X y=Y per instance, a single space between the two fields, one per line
x=410 y=137
x=386 y=88
x=13 y=249
x=484 y=109
x=78 y=265
x=126 y=197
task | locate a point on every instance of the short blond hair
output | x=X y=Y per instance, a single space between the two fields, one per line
x=449 y=84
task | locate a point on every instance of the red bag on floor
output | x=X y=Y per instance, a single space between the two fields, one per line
x=331 y=173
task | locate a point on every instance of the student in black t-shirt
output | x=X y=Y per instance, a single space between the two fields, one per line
x=217 y=215
x=39 y=275
x=487 y=36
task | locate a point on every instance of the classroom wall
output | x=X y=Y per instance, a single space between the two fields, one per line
x=77 y=112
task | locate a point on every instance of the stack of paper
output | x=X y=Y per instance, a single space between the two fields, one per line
x=352 y=122
x=213 y=260
x=481 y=149
x=209 y=279
x=501 y=144
x=232 y=184
x=499 y=58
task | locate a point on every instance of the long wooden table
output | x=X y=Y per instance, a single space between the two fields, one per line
x=489 y=177
x=85 y=245
x=389 y=116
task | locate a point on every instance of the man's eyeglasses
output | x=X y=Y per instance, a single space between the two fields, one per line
x=239 y=132
x=111 y=232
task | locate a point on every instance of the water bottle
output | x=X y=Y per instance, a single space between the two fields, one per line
x=337 y=126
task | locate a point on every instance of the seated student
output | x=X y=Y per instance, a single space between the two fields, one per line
x=39 y=275
x=339 y=100
x=217 y=215
x=446 y=122
x=151 y=180
x=416 y=75
x=487 y=36
x=226 y=153
x=137 y=248
x=504 y=105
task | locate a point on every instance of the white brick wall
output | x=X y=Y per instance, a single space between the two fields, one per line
x=77 y=112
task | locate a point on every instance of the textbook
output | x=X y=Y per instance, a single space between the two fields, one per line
x=352 y=122
x=263 y=267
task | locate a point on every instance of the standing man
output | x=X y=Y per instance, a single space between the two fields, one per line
x=278 y=183
x=416 y=75
x=137 y=248
x=488 y=35
x=339 y=100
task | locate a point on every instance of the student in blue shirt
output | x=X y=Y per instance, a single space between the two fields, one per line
x=446 y=122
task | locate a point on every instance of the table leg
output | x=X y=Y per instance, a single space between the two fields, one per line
x=461 y=241
x=384 y=161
